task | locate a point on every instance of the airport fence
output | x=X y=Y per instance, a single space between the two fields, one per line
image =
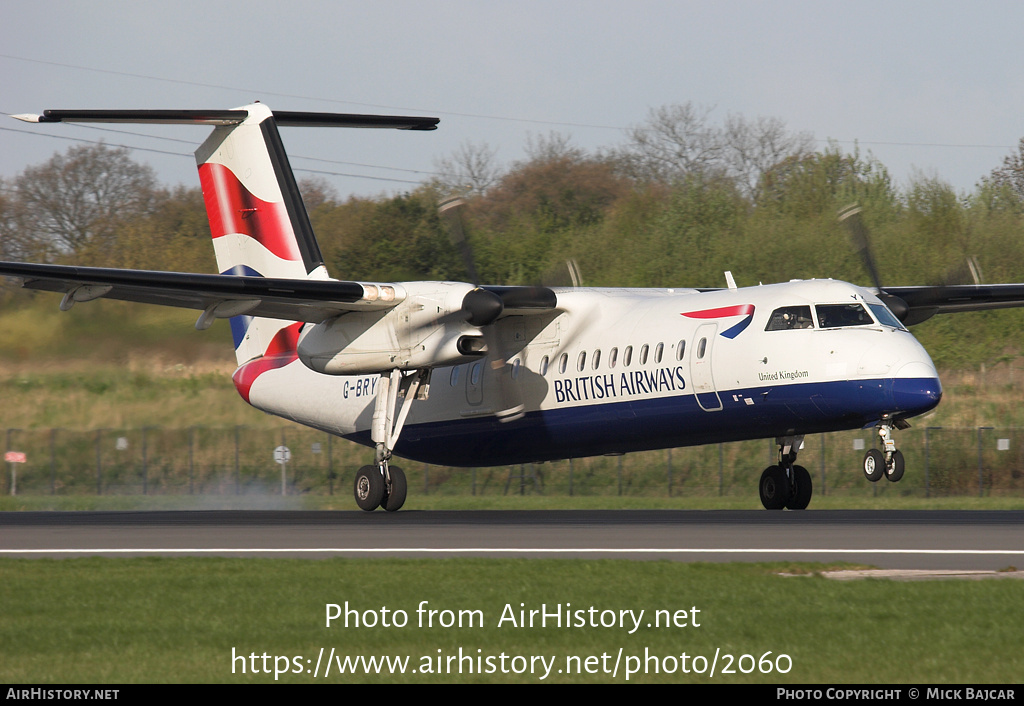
x=982 y=461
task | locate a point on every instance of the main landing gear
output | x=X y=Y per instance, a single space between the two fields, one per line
x=381 y=484
x=889 y=460
x=786 y=485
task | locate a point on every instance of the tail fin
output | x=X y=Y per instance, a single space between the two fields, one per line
x=257 y=218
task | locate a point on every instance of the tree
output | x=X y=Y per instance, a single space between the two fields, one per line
x=471 y=170
x=679 y=142
x=676 y=141
x=316 y=192
x=753 y=147
x=1009 y=178
x=78 y=198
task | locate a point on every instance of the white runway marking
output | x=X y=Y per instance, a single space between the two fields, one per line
x=506 y=550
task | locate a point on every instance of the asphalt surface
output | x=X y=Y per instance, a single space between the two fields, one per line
x=945 y=541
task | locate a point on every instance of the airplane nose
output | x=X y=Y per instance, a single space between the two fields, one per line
x=916 y=388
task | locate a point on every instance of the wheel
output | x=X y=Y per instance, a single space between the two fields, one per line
x=774 y=488
x=801 y=497
x=369 y=488
x=874 y=465
x=394 y=497
x=894 y=470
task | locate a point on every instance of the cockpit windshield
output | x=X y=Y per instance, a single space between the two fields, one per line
x=790 y=317
x=886 y=317
x=837 y=315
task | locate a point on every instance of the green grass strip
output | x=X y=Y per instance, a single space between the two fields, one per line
x=148 y=620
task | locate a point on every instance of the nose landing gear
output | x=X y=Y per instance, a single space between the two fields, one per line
x=786 y=485
x=889 y=460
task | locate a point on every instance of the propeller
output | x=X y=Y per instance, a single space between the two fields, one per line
x=851 y=218
x=482 y=307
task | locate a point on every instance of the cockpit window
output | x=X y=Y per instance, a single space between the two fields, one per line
x=885 y=317
x=836 y=315
x=790 y=317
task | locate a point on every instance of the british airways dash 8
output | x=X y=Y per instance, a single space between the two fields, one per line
x=467 y=374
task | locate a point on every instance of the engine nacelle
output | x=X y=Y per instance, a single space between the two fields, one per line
x=415 y=334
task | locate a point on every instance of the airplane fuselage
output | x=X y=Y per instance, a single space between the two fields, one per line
x=619 y=370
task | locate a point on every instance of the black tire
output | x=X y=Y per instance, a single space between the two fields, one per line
x=394 y=498
x=803 y=490
x=774 y=488
x=369 y=488
x=894 y=471
x=874 y=465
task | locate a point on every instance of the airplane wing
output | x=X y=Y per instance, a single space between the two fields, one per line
x=224 y=296
x=923 y=302
x=219 y=296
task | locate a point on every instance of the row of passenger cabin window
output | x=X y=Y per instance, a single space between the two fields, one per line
x=581 y=360
x=594 y=362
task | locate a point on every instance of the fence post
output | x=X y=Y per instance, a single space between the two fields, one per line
x=823 y=464
x=720 y=465
x=981 y=478
x=191 y=438
x=927 y=461
x=145 y=470
x=99 y=463
x=53 y=461
x=238 y=474
x=330 y=465
x=668 y=453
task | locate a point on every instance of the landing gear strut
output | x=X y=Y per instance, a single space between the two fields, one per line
x=381 y=484
x=786 y=485
x=889 y=460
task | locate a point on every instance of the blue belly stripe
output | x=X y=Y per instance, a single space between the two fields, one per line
x=665 y=422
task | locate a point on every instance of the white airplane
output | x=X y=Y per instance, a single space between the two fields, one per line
x=459 y=374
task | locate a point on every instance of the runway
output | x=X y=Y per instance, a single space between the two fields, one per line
x=947 y=540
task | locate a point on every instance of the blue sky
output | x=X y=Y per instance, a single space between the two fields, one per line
x=927 y=87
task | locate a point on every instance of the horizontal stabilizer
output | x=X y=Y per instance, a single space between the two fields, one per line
x=231 y=117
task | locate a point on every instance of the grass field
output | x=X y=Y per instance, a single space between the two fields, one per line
x=183 y=620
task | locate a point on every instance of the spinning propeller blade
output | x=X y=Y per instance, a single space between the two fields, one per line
x=851 y=218
x=481 y=308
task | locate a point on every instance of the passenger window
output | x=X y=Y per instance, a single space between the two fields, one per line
x=643 y=354
x=701 y=347
x=680 y=350
x=455 y=375
x=544 y=366
x=790 y=317
x=613 y=355
x=597 y=359
x=627 y=356
x=658 y=352
x=515 y=369
x=581 y=362
x=474 y=373
x=837 y=315
x=563 y=362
